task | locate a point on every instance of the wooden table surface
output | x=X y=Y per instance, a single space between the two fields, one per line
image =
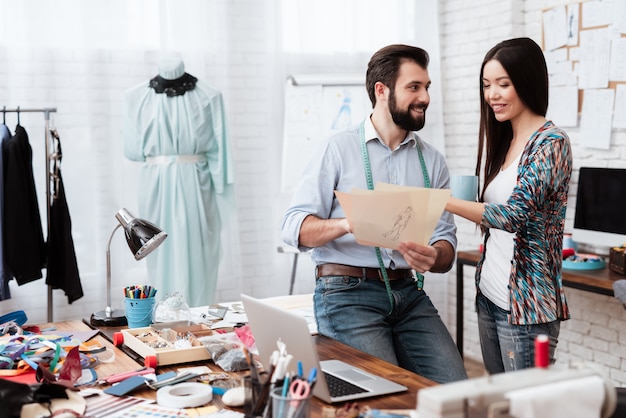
x=126 y=360
x=122 y=361
x=596 y=281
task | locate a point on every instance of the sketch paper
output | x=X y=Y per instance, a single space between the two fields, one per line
x=596 y=116
x=572 y=24
x=555 y=28
x=563 y=106
x=595 y=52
x=597 y=13
x=617 y=71
x=391 y=214
x=619 y=111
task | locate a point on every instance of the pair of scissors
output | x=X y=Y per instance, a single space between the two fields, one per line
x=299 y=390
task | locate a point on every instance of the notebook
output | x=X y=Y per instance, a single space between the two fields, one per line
x=269 y=323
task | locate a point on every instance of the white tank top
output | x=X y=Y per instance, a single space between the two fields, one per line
x=496 y=270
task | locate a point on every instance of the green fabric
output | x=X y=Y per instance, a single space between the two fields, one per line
x=187 y=200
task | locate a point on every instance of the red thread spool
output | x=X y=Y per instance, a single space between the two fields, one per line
x=542 y=351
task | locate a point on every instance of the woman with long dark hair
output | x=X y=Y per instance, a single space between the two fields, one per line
x=526 y=164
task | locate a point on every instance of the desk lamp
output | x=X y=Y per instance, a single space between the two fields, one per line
x=142 y=238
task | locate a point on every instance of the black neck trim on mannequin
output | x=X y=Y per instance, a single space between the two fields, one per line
x=175 y=87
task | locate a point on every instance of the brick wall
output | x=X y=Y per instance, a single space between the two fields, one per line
x=596 y=333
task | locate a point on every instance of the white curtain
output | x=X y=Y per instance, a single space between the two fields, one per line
x=349 y=26
x=80 y=56
x=184 y=25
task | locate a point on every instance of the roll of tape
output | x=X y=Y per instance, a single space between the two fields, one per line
x=184 y=395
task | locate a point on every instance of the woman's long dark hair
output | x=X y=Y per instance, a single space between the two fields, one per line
x=525 y=64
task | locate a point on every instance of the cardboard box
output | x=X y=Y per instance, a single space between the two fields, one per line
x=167 y=343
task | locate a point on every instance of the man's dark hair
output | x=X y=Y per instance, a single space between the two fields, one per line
x=385 y=64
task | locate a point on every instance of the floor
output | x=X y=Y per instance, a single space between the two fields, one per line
x=474 y=368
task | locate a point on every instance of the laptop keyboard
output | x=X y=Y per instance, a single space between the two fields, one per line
x=338 y=387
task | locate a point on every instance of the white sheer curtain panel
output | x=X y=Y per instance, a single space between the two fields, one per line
x=329 y=26
x=184 y=25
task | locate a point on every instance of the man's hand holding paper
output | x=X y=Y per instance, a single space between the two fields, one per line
x=391 y=214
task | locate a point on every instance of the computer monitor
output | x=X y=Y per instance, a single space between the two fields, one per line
x=599 y=221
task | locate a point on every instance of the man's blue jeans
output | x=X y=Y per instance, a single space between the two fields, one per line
x=507 y=347
x=356 y=311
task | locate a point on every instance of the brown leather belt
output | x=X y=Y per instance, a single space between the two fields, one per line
x=367 y=272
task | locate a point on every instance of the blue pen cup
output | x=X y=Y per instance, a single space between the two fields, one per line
x=139 y=312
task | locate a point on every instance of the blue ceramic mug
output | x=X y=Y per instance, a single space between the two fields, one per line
x=464 y=187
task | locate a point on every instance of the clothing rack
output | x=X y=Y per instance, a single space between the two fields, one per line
x=46 y=111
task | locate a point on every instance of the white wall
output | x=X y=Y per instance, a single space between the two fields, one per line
x=87 y=88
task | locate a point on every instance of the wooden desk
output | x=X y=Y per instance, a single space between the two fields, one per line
x=596 y=281
x=327 y=349
x=122 y=361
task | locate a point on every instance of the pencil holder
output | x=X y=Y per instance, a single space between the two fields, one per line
x=289 y=407
x=254 y=400
x=139 y=312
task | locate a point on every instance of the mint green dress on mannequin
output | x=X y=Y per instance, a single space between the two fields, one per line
x=176 y=126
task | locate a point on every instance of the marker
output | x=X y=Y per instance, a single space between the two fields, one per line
x=284 y=395
x=312 y=377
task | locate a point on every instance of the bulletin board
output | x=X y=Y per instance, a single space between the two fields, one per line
x=585 y=48
x=315 y=107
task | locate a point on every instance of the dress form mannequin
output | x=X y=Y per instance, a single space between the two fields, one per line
x=171 y=68
x=176 y=125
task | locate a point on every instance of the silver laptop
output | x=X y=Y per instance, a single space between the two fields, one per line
x=270 y=323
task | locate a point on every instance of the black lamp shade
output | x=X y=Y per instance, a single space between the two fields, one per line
x=143 y=237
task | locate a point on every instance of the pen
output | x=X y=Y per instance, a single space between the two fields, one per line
x=312 y=376
x=283 y=395
x=300 y=369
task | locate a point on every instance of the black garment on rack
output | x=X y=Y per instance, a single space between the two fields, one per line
x=62 y=272
x=24 y=245
x=5 y=276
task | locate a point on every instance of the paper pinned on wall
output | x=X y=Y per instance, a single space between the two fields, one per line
x=619 y=110
x=596 y=116
x=391 y=214
x=555 y=28
x=563 y=107
x=595 y=52
x=617 y=68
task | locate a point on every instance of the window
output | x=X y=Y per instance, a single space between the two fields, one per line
x=327 y=26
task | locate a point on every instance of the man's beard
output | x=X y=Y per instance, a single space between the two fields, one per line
x=403 y=118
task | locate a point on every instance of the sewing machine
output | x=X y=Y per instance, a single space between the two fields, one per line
x=536 y=392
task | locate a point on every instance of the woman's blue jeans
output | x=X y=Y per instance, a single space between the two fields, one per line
x=407 y=332
x=507 y=347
